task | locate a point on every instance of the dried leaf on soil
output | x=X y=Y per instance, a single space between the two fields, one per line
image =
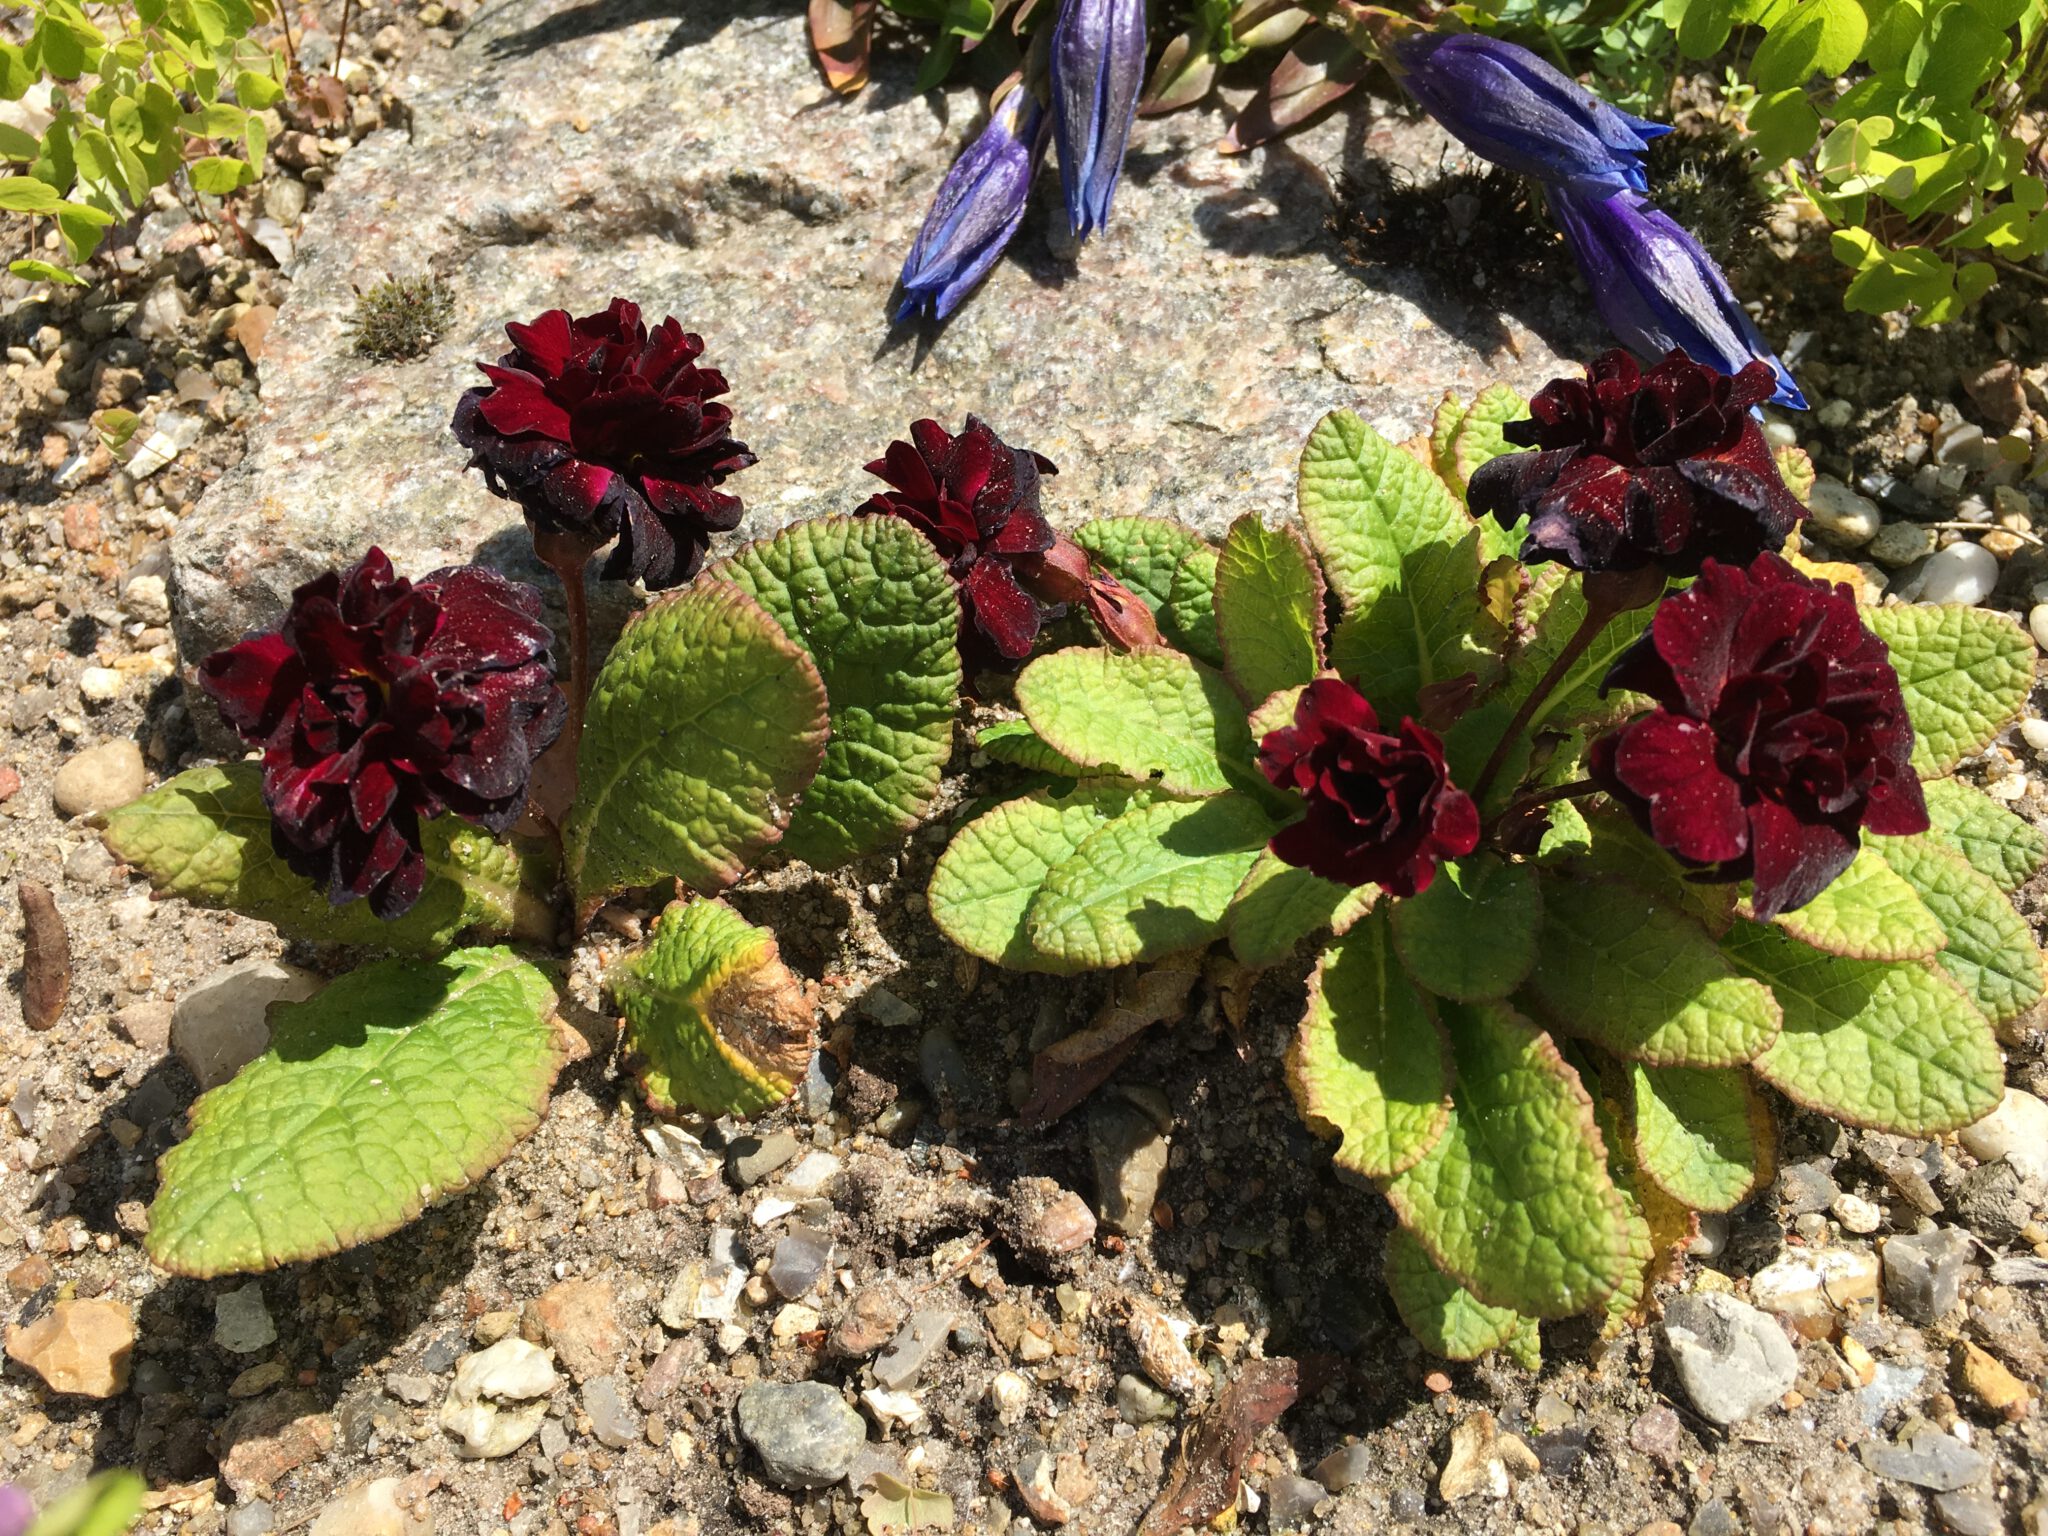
x=45 y=959
x=1212 y=1453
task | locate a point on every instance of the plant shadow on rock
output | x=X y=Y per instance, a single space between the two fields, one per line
x=697 y=21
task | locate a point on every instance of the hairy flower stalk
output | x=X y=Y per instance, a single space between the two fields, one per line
x=977 y=211
x=1098 y=73
x=1657 y=288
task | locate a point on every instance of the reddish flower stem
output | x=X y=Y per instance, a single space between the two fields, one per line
x=567 y=554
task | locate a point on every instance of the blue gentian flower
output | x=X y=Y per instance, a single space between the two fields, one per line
x=1657 y=289
x=1098 y=71
x=977 y=210
x=1503 y=102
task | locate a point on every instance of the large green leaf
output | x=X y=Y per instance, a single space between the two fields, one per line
x=1479 y=437
x=205 y=836
x=1621 y=969
x=870 y=600
x=393 y=1086
x=1269 y=609
x=1015 y=743
x=1868 y=912
x=1965 y=673
x=716 y=1022
x=1994 y=840
x=1704 y=1134
x=1280 y=904
x=706 y=722
x=1445 y=1318
x=1189 y=617
x=1514 y=1201
x=1370 y=1063
x=1157 y=879
x=1472 y=935
x=985 y=881
x=1809 y=37
x=1150 y=713
x=1991 y=949
x=1893 y=1046
x=1141 y=552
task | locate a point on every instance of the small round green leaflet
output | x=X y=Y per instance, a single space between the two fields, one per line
x=1868 y=913
x=1896 y=1047
x=393 y=1086
x=1990 y=949
x=1148 y=713
x=870 y=600
x=205 y=836
x=706 y=723
x=1472 y=935
x=1514 y=1201
x=716 y=1022
x=1964 y=672
x=1447 y=1319
x=1705 y=1135
x=1370 y=1062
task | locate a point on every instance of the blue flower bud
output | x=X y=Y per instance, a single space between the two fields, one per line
x=1658 y=290
x=978 y=208
x=1098 y=72
x=1503 y=102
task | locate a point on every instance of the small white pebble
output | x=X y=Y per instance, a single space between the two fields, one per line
x=2035 y=733
x=99 y=685
x=1856 y=1214
x=2037 y=625
x=2010 y=788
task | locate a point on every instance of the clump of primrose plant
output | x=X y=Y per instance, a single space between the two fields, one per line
x=428 y=788
x=1607 y=820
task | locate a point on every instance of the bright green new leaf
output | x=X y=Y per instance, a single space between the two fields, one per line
x=1370 y=1063
x=25 y=194
x=105 y=1504
x=1896 y=1047
x=1623 y=970
x=706 y=722
x=1991 y=950
x=869 y=599
x=1704 y=1134
x=1992 y=838
x=1479 y=436
x=1280 y=904
x=1157 y=879
x=1141 y=552
x=1868 y=913
x=1269 y=609
x=395 y=1085
x=716 y=1023
x=1015 y=743
x=1783 y=126
x=205 y=836
x=1965 y=673
x=1150 y=713
x=1514 y=1201
x=1893 y=32
x=1189 y=617
x=985 y=881
x=1959 y=50
x=1815 y=37
x=1472 y=935
x=44 y=272
x=1703 y=26
x=1446 y=1319
x=220 y=174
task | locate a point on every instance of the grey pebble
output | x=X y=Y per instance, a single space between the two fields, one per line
x=1139 y=1402
x=903 y=1358
x=753 y=1158
x=1931 y=1460
x=614 y=1424
x=1923 y=1272
x=803 y=1431
x=1129 y=1154
x=1291 y=1502
x=1345 y=1466
x=801 y=1255
x=1969 y=1514
x=1732 y=1360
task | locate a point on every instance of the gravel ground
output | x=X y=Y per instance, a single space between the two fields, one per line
x=985 y=1302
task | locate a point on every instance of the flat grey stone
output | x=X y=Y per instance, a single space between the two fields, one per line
x=753 y=1158
x=1139 y=1402
x=1129 y=1153
x=904 y=1357
x=1931 y=1460
x=1732 y=1360
x=1969 y=1514
x=1923 y=1272
x=803 y=1431
x=611 y=1420
x=1291 y=1502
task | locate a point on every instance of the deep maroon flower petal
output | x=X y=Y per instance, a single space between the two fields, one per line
x=600 y=427
x=1002 y=609
x=381 y=703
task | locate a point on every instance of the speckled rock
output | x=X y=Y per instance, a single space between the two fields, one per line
x=1172 y=366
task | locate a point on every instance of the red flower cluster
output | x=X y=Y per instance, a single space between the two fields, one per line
x=382 y=703
x=602 y=428
x=1381 y=808
x=1780 y=734
x=1632 y=469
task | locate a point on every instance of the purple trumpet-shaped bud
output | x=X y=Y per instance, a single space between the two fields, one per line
x=977 y=210
x=1658 y=290
x=1503 y=102
x=1098 y=72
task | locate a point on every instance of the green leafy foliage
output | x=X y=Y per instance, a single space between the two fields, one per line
x=1990 y=948
x=205 y=836
x=706 y=722
x=395 y=1085
x=1997 y=843
x=1145 y=554
x=1279 y=905
x=1870 y=912
x=1705 y=1135
x=1153 y=714
x=1269 y=609
x=1434 y=931
x=105 y=1504
x=1189 y=617
x=1445 y=1318
x=1965 y=672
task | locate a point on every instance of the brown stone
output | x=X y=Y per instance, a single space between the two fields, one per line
x=869 y=1321
x=252 y=329
x=82 y=526
x=10 y=782
x=272 y=1437
x=1981 y=1379
x=82 y=1347
x=1484 y=1459
x=30 y=1275
x=580 y=1319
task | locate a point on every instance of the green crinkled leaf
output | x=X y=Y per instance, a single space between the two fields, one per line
x=1189 y=617
x=1419 y=631
x=1965 y=673
x=1479 y=437
x=706 y=723
x=715 y=1021
x=870 y=600
x=1618 y=968
x=1141 y=552
x=1278 y=906
x=2003 y=846
x=393 y=1086
x=205 y=836
x=1620 y=850
x=1472 y=935
x=1156 y=880
x=1514 y=1201
x=1704 y=1134
x=985 y=881
x=1893 y=1046
x=1370 y=1062
x=1015 y=743
x=1446 y=1319
x=1991 y=949
x=1150 y=713
x=1269 y=609
x=1868 y=913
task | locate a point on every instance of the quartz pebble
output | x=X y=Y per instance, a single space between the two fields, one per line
x=904 y=1359
x=1732 y=1360
x=1962 y=573
x=2016 y=1131
x=499 y=1398
x=1923 y=1272
x=801 y=1256
x=222 y=1024
x=1849 y=519
x=80 y=1347
x=100 y=778
x=241 y=1322
x=2037 y=624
